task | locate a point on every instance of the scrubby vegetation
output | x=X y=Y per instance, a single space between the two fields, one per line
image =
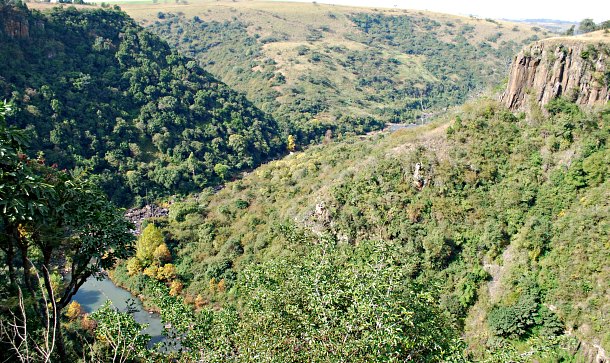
x=329 y=302
x=480 y=236
x=493 y=199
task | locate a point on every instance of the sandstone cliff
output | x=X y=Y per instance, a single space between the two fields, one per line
x=574 y=67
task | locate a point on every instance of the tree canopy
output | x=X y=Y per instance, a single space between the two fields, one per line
x=101 y=93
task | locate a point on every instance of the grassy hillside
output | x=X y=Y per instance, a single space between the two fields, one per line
x=99 y=92
x=317 y=67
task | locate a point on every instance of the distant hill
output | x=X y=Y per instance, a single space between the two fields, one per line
x=552 y=25
x=317 y=67
x=99 y=92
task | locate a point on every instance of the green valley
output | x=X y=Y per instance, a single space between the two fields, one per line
x=344 y=185
x=316 y=67
x=493 y=225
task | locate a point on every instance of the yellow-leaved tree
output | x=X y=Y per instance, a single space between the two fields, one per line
x=162 y=254
x=74 y=310
x=175 y=288
x=134 y=266
x=292 y=143
x=167 y=272
x=149 y=240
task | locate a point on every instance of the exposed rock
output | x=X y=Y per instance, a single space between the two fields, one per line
x=591 y=352
x=17 y=28
x=137 y=216
x=322 y=215
x=14 y=22
x=318 y=220
x=418 y=179
x=577 y=68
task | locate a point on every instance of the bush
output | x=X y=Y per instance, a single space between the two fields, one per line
x=241 y=204
x=179 y=211
x=217 y=269
x=514 y=320
x=561 y=105
x=549 y=322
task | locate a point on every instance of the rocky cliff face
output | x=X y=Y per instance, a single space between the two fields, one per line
x=17 y=28
x=577 y=68
x=14 y=22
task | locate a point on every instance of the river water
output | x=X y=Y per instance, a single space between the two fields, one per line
x=94 y=293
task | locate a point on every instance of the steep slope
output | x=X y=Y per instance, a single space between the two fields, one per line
x=317 y=67
x=577 y=68
x=99 y=92
x=461 y=201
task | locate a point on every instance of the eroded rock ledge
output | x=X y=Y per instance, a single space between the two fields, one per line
x=577 y=68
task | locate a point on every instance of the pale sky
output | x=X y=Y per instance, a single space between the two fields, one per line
x=574 y=10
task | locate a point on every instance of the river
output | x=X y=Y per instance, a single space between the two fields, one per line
x=94 y=293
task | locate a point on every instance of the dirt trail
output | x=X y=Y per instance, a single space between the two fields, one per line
x=434 y=140
x=497 y=272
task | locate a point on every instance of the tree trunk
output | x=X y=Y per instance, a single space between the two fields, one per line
x=27 y=277
x=59 y=339
x=61 y=348
x=13 y=242
x=10 y=260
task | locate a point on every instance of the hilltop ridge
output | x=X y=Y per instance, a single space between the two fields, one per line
x=316 y=67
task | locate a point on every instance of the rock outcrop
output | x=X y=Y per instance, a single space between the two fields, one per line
x=138 y=215
x=574 y=67
x=14 y=22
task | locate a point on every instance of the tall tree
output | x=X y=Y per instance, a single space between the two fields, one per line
x=21 y=190
x=587 y=26
x=59 y=221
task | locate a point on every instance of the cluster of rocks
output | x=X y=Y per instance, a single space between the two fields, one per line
x=138 y=215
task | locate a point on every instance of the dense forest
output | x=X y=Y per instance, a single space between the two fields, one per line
x=320 y=68
x=100 y=93
x=480 y=236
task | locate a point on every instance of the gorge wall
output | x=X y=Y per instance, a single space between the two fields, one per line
x=14 y=22
x=577 y=68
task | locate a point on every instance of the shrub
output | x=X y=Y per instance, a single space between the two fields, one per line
x=561 y=105
x=148 y=242
x=179 y=211
x=74 y=310
x=175 y=288
x=133 y=266
x=241 y=204
x=162 y=254
x=166 y=273
x=514 y=320
x=549 y=322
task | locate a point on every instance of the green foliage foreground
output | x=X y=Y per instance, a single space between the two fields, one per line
x=333 y=303
x=57 y=229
